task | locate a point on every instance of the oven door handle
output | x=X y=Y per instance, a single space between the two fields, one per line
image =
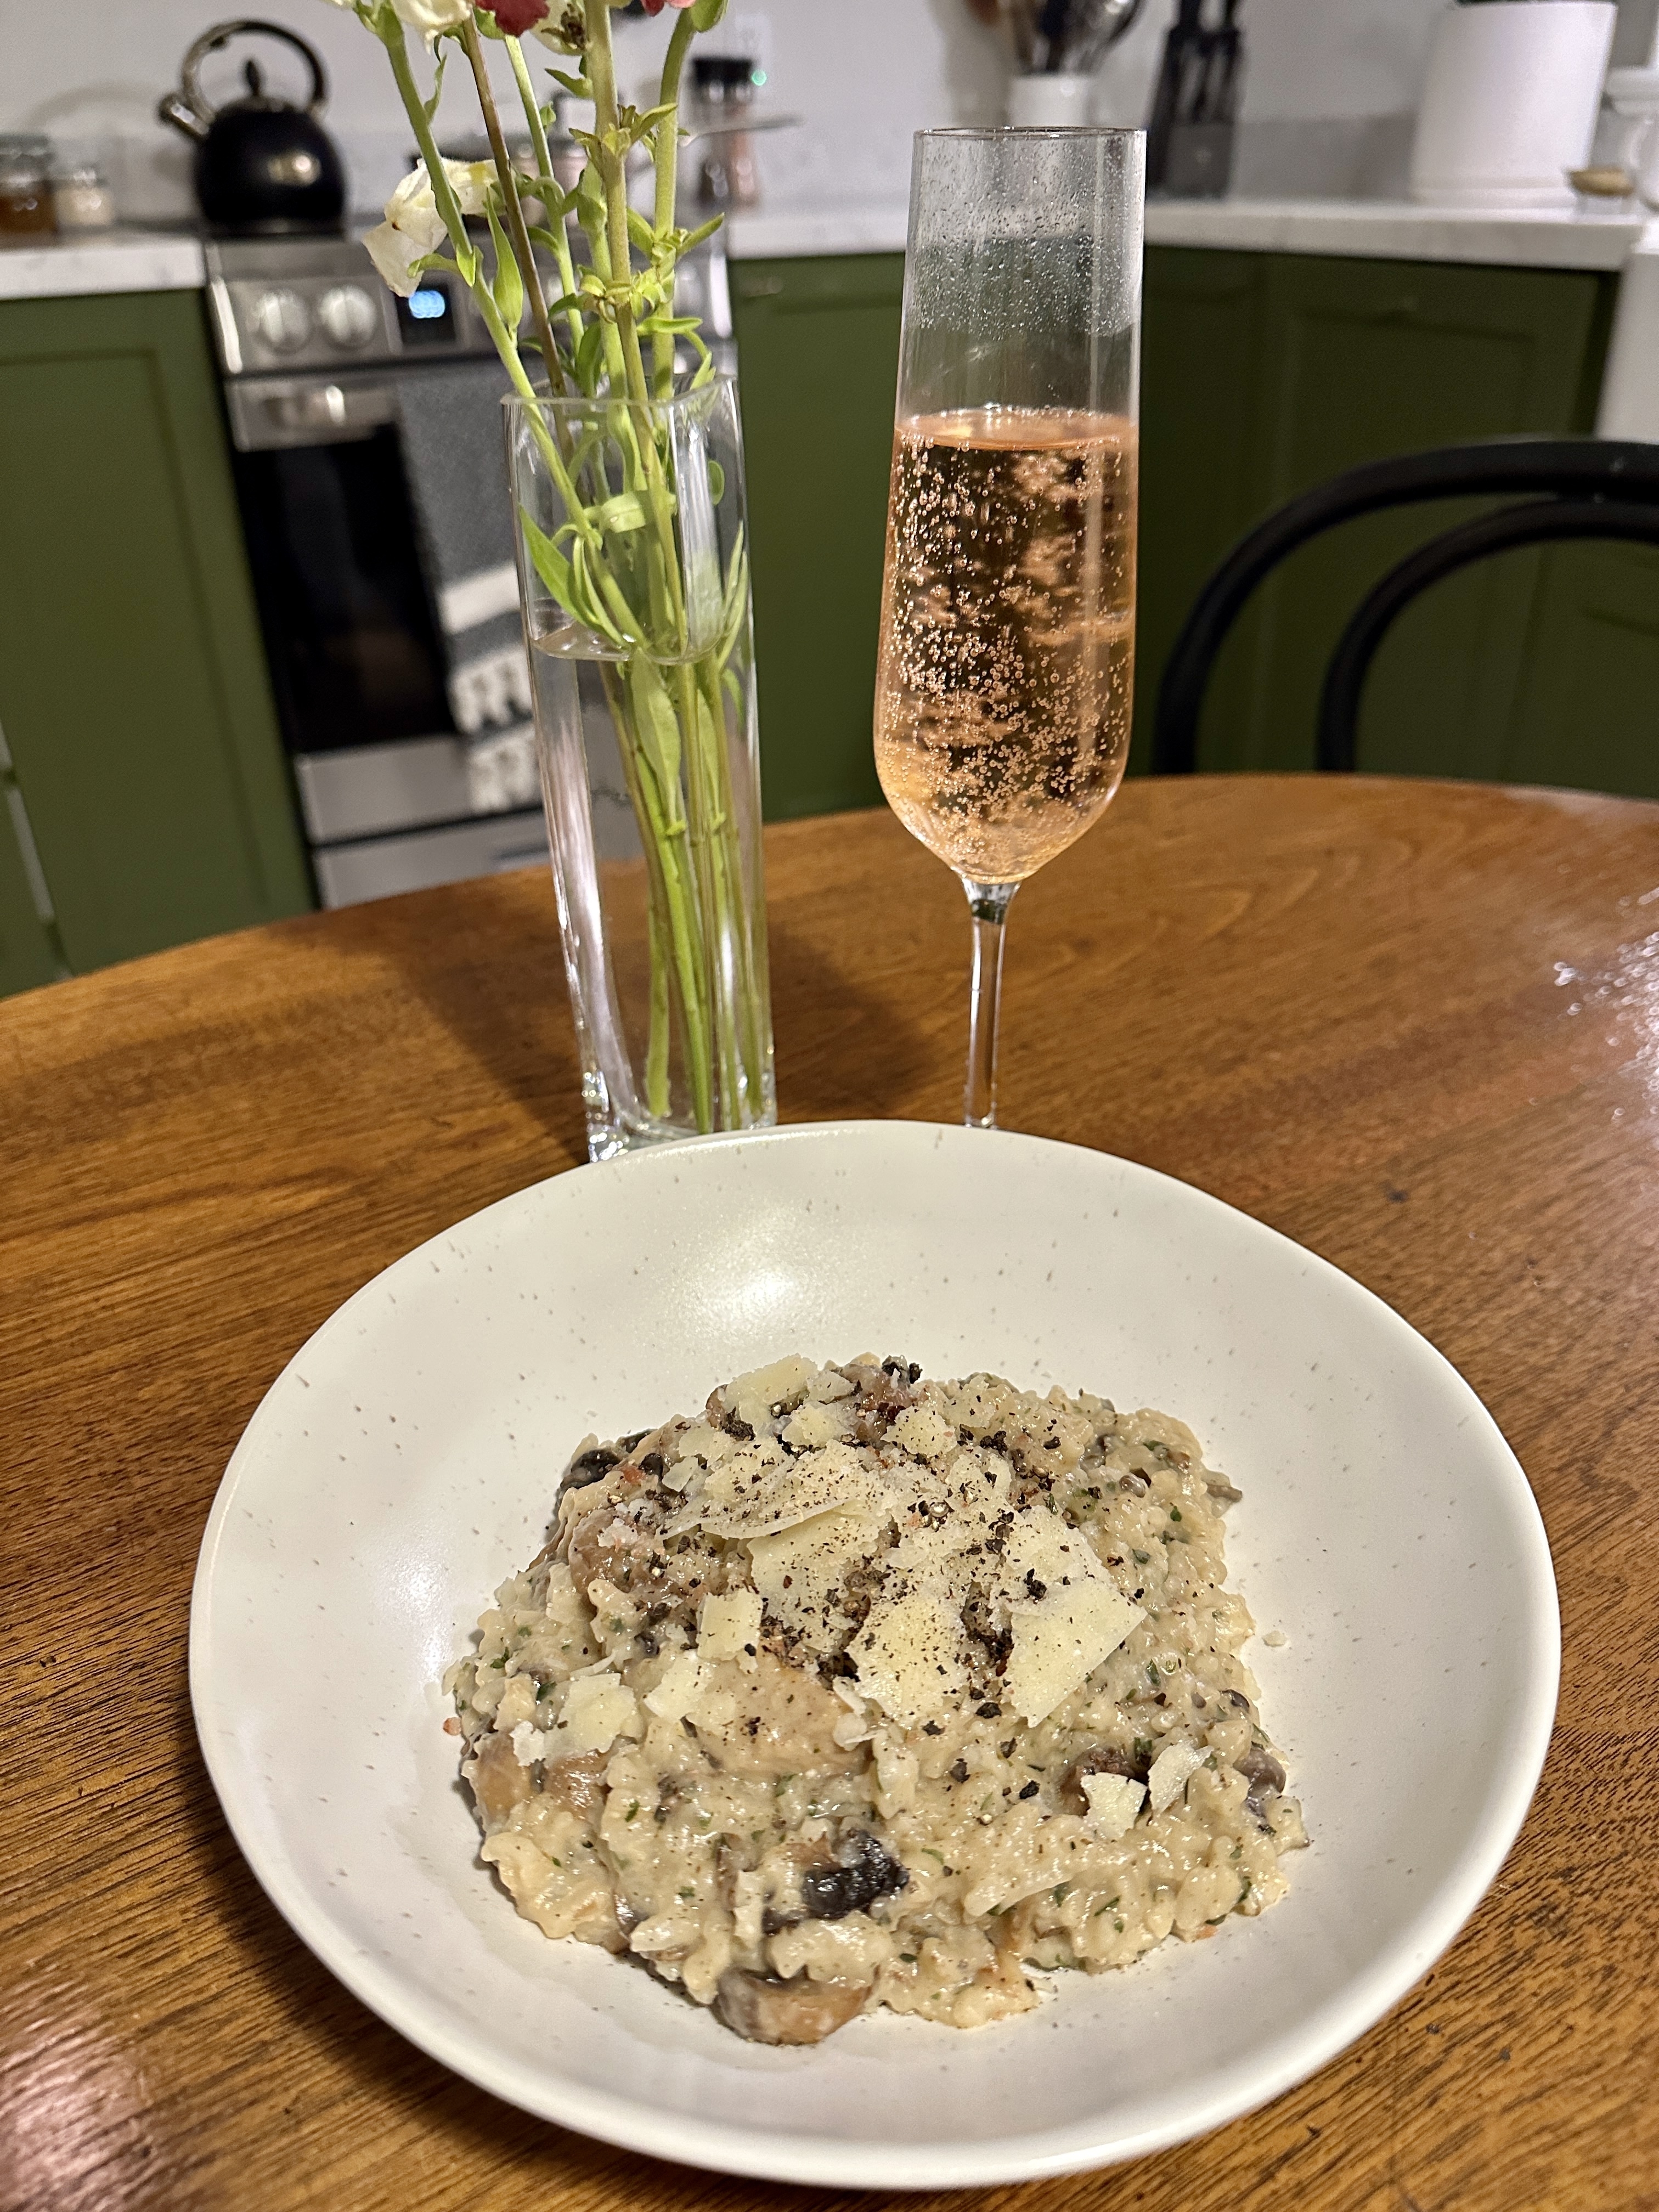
x=272 y=411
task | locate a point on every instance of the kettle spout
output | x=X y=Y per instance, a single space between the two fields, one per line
x=174 y=108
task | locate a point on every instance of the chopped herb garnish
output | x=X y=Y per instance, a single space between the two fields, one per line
x=632 y=1812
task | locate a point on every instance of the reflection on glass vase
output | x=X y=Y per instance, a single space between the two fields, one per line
x=634 y=571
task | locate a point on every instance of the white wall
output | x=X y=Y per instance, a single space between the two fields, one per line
x=862 y=74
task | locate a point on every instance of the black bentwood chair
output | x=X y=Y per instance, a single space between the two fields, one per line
x=1564 y=488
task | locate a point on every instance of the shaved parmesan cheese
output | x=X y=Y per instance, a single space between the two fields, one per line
x=800 y=1573
x=924 y=1430
x=1172 y=1769
x=758 y=1492
x=909 y=1657
x=726 y=1625
x=698 y=1449
x=1113 y=1800
x=598 y=1709
x=752 y=1396
x=813 y=1424
x=681 y=1680
x=1061 y=1639
x=529 y=1743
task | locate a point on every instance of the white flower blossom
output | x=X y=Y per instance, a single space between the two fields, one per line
x=431 y=16
x=413 y=227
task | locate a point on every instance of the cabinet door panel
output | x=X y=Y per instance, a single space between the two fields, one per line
x=818 y=351
x=1381 y=358
x=133 y=686
x=1331 y=363
x=1586 y=713
x=1201 y=359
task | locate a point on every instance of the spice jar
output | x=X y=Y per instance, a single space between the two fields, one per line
x=26 y=210
x=80 y=195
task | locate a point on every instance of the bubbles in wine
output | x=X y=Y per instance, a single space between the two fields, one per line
x=1005 y=682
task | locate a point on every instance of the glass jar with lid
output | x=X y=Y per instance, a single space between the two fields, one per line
x=81 y=195
x=25 y=208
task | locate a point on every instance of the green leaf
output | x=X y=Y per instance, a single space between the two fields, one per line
x=691 y=238
x=658 y=731
x=590 y=599
x=735 y=604
x=431 y=107
x=590 y=357
x=509 y=287
x=575 y=86
x=623 y=512
x=548 y=562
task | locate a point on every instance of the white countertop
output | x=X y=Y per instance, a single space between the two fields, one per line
x=1373 y=229
x=169 y=261
x=1399 y=230
x=779 y=232
x=102 y=261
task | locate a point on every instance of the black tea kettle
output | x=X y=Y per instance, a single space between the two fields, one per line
x=263 y=166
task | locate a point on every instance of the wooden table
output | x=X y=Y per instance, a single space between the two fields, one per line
x=1416 y=1026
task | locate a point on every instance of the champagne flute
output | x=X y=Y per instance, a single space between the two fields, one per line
x=1006 y=679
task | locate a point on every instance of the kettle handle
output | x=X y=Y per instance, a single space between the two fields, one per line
x=187 y=109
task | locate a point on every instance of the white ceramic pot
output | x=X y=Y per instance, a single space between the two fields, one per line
x=1510 y=100
x=1051 y=102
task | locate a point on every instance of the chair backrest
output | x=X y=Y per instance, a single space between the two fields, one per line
x=1571 y=488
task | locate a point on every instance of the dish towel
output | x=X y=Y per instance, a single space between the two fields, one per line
x=451 y=424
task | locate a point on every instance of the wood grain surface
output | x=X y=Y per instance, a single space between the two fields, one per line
x=1415 y=1026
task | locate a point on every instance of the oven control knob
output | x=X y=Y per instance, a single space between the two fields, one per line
x=348 y=314
x=283 y=320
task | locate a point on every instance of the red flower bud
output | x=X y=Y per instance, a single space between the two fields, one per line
x=515 y=17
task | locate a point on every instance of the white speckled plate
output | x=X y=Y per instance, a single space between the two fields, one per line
x=406 y=1461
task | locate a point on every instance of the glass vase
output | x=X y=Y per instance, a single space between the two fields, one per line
x=633 y=577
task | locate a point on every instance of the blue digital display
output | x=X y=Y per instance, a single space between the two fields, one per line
x=427 y=317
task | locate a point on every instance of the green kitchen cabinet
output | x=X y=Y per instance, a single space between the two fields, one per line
x=817 y=345
x=133 y=692
x=1264 y=374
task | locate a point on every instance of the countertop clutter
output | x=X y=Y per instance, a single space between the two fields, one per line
x=208 y=1151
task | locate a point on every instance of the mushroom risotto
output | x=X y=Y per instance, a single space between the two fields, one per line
x=857 y=1689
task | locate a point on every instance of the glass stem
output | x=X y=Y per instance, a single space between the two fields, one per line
x=988 y=904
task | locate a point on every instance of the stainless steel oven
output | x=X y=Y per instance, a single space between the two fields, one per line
x=384 y=573
x=317 y=360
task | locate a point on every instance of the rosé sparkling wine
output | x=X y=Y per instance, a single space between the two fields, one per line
x=1005 y=682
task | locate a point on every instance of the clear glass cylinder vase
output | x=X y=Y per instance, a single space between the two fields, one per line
x=633 y=576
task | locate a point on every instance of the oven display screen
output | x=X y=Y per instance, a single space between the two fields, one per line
x=427 y=318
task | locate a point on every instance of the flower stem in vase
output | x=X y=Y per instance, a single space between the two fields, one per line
x=633 y=562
